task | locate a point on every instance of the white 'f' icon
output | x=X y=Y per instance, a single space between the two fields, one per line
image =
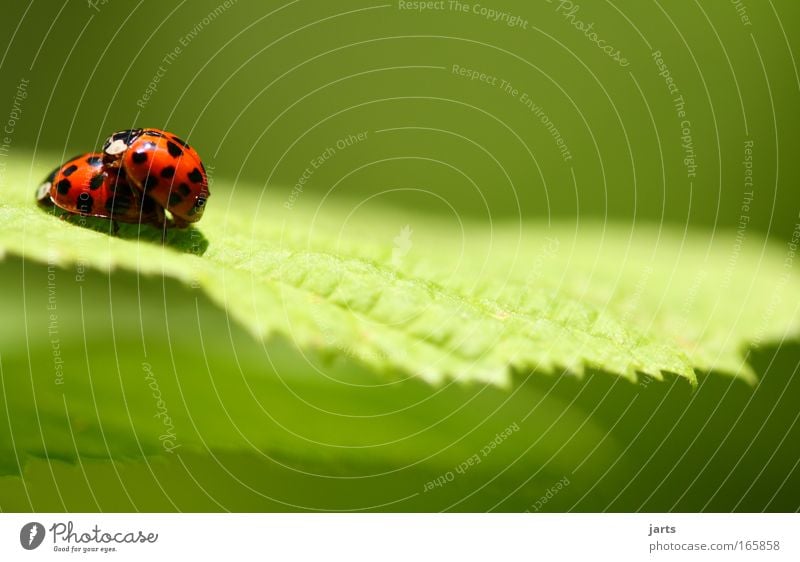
x=34 y=532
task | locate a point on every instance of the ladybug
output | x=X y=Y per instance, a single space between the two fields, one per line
x=164 y=168
x=84 y=186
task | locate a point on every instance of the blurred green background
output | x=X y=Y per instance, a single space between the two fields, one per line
x=264 y=89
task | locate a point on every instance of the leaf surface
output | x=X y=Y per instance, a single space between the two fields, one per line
x=437 y=299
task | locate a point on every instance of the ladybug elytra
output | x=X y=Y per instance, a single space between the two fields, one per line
x=164 y=168
x=83 y=186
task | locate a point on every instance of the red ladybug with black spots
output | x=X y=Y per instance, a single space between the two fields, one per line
x=83 y=186
x=164 y=168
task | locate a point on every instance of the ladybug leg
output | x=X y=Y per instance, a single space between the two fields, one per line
x=115 y=226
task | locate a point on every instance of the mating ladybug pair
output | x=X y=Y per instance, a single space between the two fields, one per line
x=139 y=174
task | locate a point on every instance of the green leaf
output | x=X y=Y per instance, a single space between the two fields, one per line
x=356 y=308
x=124 y=374
x=410 y=294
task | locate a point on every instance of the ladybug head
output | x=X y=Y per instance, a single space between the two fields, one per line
x=119 y=142
x=43 y=194
x=43 y=191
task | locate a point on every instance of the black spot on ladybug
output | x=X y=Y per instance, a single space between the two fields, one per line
x=150 y=182
x=168 y=172
x=184 y=189
x=94 y=160
x=154 y=133
x=96 y=181
x=85 y=203
x=69 y=170
x=139 y=157
x=180 y=141
x=174 y=199
x=63 y=187
x=173 y=149
x=195 y=176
